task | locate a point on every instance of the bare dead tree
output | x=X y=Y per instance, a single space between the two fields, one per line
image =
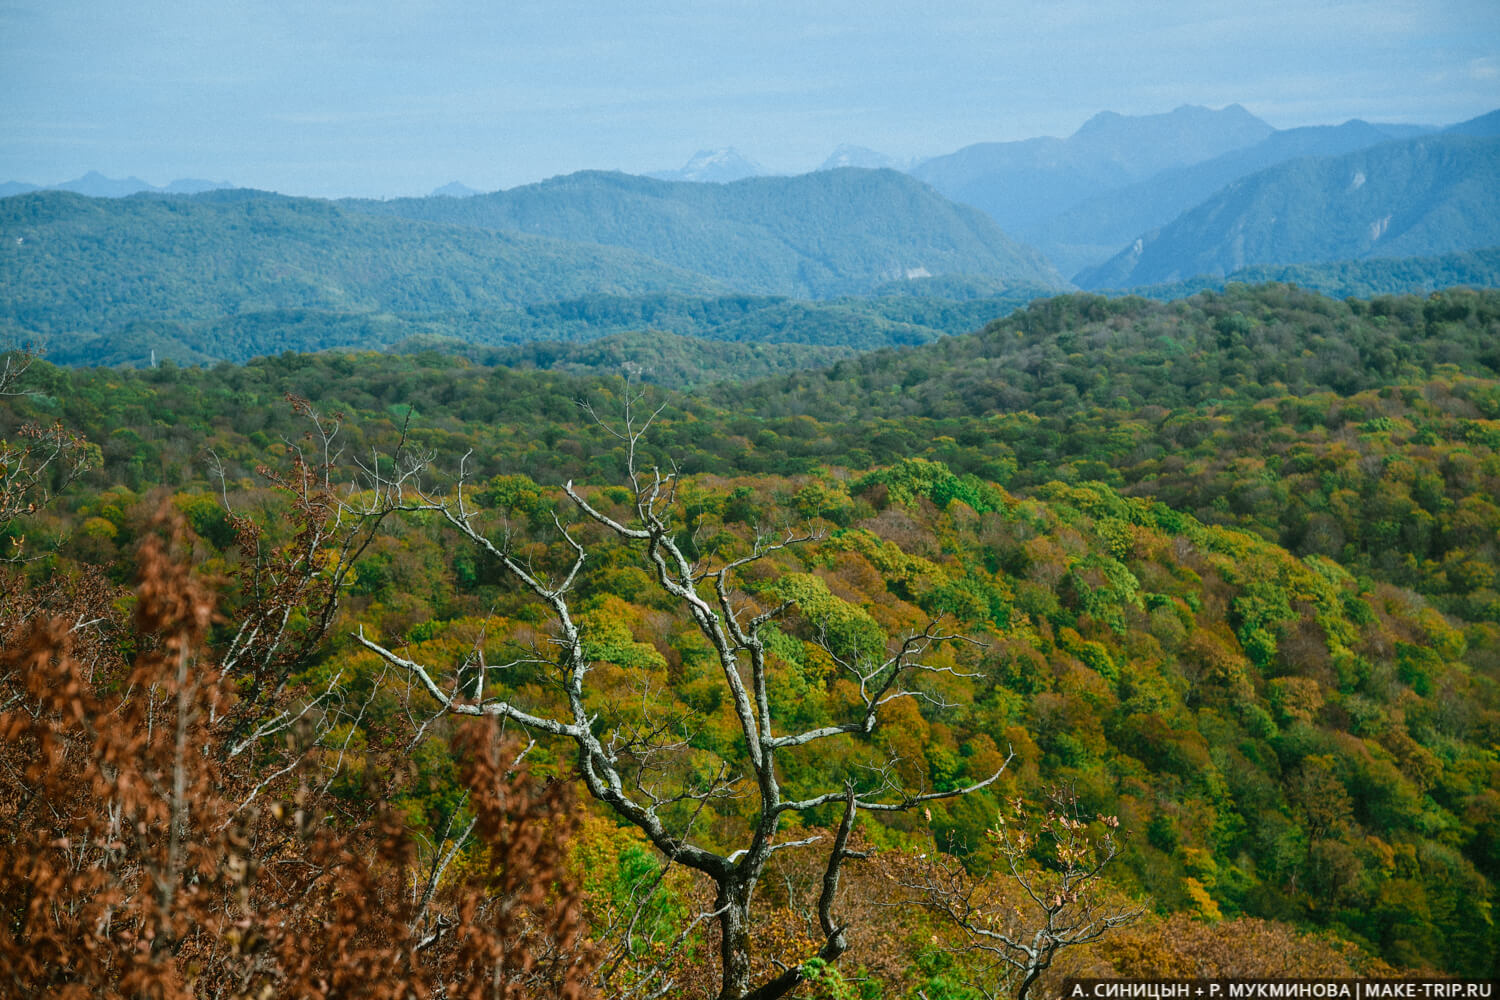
x=630 y=766
x=288 y=590
x=303 y=580
x=1062 y=900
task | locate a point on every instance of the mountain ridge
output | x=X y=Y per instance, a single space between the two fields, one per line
x=1020 y=183
x=1417 y=197
x=93 y=184
x=70 y=263
x=712 y=166
x=1075 y=238
x=817 y=235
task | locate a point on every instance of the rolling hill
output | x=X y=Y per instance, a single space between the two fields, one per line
x=70 y=264
x=819 y=235
x=230 y=275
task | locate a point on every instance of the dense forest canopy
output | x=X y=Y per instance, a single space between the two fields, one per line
x=1362 y=279
x=1225 y=567
x=87 y=264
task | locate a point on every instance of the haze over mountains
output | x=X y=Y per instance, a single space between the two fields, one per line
x=1165 y=203
x=713 y=166
x=1403 y=199
x=860 y=156
x=1090 y=231
x=96 y=185
x=1021 y=183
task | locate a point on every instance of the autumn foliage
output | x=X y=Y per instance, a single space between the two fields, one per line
x=1214 y=565
x=137 y=862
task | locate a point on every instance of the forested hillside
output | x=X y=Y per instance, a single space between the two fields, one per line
x=1225 y=566
x=235 y=275
x=1356 y=278
x=1423 y=197
x=71 y=264
x=818 y=235
x=1092 y=231
x=780 y=326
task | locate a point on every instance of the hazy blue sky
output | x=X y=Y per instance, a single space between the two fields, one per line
x=333 y=97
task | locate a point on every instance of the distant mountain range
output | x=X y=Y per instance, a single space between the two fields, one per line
x=1418 y=197
x=1142 y=201
x=1099 y=196
x=852 y=255
x=1021 y=183
x=714 y=166
x=720 y=166
x=1093 y=230
x=861 y=156
x=454 y=189
x=196 y=278
x=828 y=233
x=1486 y=125
x=96 y=185
x=70 y=264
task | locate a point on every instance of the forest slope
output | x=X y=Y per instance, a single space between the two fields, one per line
x=1362 y=279
x=824 y=234
x=1090 y=232
x=835 y=327
x=1233 y=560
x=1422 y=197
x=70 y=263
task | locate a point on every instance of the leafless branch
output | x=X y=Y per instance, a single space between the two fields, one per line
x=629 y=765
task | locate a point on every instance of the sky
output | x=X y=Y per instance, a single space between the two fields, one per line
x=334 y=97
